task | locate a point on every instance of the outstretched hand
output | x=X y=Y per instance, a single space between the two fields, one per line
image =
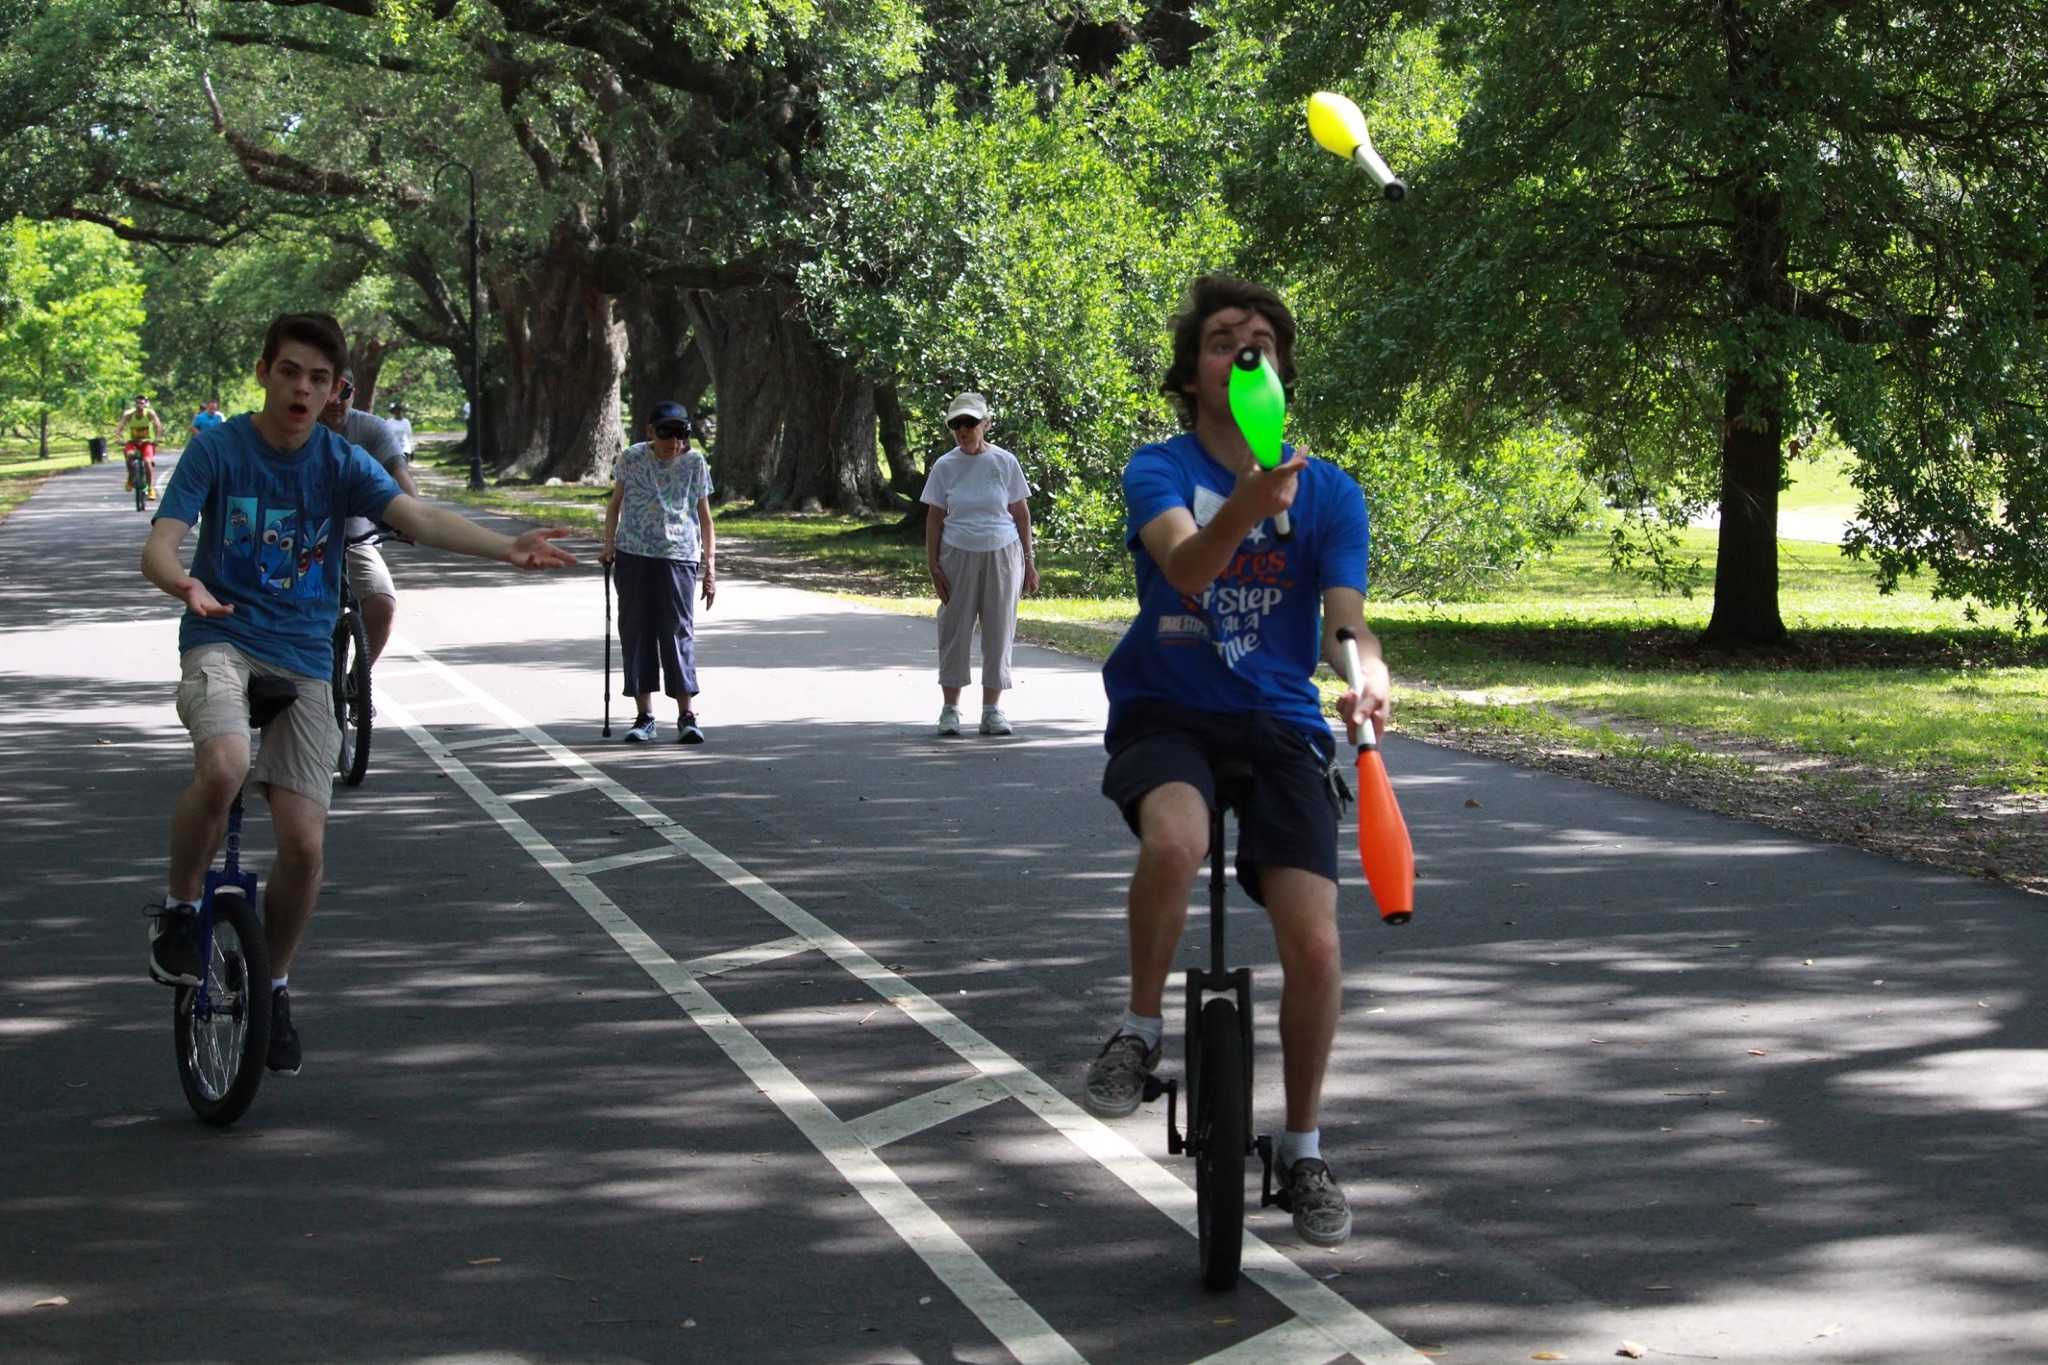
x=533 y=550
x=199 y=601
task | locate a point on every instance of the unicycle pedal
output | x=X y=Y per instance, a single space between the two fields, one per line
x=1154 y=1088
x=1268 y=1196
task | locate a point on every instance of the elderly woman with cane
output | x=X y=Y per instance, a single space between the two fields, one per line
x=977 y=545
x=658 y=541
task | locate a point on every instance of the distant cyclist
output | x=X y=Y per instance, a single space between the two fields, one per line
x=208 y=417
x=140 y=430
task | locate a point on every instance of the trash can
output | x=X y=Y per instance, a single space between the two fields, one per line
x=98 y=446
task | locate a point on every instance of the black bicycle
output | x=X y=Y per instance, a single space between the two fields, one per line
x=222 y=1025
x=1219 y=1072
x=351 y=682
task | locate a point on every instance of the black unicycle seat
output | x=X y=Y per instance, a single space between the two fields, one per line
x=1233 y=784
x=268 y=697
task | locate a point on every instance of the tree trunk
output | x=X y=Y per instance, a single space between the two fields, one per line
x=905 y=478
x=1753 y=403
x=738 y=333
x=366 y=356
x=555 y=412
x=43 y=433
x=829 y=451
x=663 y=360
x=1746 y=566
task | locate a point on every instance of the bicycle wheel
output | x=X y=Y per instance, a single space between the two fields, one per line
x=1219 y=1129
x=352 y=696
x=222 y=1049
x=141 y=485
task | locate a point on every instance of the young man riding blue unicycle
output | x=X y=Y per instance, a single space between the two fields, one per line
x=1245 y=575
x=269 y=492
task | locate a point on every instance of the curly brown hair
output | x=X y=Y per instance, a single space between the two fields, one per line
x=1207 y=296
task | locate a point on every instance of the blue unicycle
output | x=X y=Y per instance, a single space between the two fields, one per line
x=222 y=1025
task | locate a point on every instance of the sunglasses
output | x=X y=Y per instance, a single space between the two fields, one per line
x=962 y=422
x=670 y=431
x=345 y=392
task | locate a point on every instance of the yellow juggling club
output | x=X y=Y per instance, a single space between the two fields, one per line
x=1337 y=124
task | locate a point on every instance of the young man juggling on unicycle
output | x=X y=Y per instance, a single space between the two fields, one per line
x=270 y=492
x=1233 y=616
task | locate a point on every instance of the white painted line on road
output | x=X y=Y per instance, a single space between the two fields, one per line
x=1341 y=1323
x=615 y=861
x=907 y=1118
x=1018 y=1326
x=1293 y=1342
x=770 y=951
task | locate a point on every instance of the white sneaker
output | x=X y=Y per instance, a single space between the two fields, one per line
x=949 y=720
x=993 y=721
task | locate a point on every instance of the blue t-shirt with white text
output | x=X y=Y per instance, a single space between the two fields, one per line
x=1252 y=639
x=269 y=542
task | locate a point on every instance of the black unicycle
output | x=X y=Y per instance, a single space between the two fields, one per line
x=1219 y=1072
x=222 y=1025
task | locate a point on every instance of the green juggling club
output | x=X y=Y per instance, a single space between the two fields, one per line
x=1258 y=404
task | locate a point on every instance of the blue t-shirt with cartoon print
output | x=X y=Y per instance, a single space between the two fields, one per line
x=1252 y=639
x=269 y=538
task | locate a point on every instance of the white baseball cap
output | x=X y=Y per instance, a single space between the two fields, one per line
x=968 y=405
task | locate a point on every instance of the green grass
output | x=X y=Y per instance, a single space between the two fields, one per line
x=21 y=473
x=1572 y=652
x=1821 y=484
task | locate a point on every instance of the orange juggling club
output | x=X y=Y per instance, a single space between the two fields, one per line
x=1383 y=846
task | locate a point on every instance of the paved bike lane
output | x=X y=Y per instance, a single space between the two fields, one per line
x=510 y=1140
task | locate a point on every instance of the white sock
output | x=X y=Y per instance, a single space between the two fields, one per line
x=1151 y=1030
x=278 y=983
x=173 y=903
x=1299 y=1147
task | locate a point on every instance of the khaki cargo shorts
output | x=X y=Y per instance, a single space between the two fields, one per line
x=367 y=572
x=299 y=749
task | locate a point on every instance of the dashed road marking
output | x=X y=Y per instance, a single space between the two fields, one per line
x=1325 y=1321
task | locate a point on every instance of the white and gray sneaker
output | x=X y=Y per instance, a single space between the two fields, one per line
x=1322 y=1216
x=993 y=721
x=642 y=732
x=1117 y=1076
x=949 y=720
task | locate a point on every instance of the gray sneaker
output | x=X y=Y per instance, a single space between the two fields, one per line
x=1308 y=1191
x=643 y=731
x=949 y=720
x=1116 y=1078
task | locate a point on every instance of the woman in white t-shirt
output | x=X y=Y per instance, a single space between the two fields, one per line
x=977 y=544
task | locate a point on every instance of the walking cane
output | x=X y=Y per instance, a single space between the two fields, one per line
x=607 y=651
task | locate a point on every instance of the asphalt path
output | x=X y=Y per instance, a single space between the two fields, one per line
x=769 y=1049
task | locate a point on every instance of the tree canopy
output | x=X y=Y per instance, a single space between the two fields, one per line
x=1648 y=251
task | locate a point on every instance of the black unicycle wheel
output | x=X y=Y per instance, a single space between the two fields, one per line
x=352 y=697
x=224 y=1043
x=1220 y=1141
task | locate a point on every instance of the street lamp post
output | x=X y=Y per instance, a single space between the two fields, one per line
x=476 y=337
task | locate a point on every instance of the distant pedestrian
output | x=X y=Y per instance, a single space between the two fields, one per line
x=659 y=540
x=977 y=545
x=402 y=424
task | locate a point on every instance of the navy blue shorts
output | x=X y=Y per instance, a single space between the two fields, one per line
x=1290 y=818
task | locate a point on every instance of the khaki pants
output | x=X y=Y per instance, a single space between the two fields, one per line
x=985 y=586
